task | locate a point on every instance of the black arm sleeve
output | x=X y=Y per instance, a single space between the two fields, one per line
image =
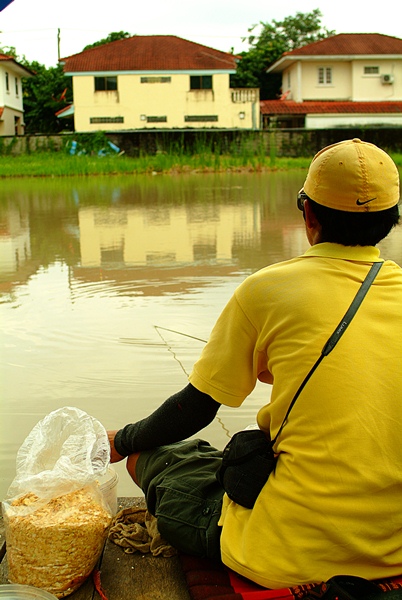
x=179 y=417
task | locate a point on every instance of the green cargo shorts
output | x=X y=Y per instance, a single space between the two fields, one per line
x=182 y=492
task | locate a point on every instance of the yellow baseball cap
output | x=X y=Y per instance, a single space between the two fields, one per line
x=353 y=176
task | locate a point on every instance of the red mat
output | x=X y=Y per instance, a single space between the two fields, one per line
x=208 y=580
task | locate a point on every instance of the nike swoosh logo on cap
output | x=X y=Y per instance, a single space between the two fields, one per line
x=361 y=202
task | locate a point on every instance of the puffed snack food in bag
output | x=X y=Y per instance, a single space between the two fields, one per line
x=55 y=531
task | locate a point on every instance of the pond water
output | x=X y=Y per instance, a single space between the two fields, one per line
x=109 y=288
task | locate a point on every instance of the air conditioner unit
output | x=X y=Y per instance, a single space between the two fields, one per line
x=387 y=79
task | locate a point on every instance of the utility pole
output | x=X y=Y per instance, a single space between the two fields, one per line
x=58 y=44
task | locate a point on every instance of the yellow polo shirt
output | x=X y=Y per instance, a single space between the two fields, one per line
x=334 y=503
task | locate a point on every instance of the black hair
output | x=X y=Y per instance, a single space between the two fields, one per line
x=354 y=229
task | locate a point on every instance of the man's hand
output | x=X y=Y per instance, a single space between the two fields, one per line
x=114 y=455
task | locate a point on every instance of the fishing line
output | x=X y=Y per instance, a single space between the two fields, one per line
x=170 y=349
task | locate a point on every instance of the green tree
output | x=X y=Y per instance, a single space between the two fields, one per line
x=9 y=51
x=44 y=95
x=112 y=37
x=274 y=39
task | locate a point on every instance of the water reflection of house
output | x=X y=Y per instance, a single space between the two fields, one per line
x=15 y=245
x=165 y=236
x=16 y=264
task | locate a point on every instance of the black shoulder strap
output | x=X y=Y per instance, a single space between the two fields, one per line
x=336 y=336
x=350 y=313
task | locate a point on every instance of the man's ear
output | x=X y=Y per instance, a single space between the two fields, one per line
x=313 y=227
x=309 y=216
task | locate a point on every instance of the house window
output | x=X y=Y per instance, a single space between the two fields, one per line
x=160 y=258
x=7 y=83
x=371 y=70
x=156 y=79
x=324 y=75
x=200 y=118
x=105 y=84
x=200 y=82
x=16 y=86
x=156 y=119
x=106 y=120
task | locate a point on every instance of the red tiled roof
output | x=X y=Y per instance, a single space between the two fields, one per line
x=23 y=71
x=281 y=107
x=150 y=53
x=1 y=111
x=63 y=110
x=352 y=44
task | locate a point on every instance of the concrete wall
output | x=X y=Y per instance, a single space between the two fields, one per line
x=284 y=142
x=333 y=121
x=297 y=142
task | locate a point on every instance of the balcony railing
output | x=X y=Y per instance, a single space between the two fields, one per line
x=242 y=95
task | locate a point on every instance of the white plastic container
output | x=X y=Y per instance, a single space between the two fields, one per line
x=15 y=591
x=108 y=486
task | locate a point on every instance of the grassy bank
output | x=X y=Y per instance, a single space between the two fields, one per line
x=58 y=164
x=62 y=165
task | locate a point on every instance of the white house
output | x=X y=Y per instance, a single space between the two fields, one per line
x=11 y=105
x=349 y=79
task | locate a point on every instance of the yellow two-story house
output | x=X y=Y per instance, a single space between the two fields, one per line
x=157 y=81
x=349 y=79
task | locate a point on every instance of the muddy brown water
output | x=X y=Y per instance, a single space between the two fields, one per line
x=110 y=286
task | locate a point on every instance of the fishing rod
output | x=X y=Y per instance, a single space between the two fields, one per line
x=193 y=337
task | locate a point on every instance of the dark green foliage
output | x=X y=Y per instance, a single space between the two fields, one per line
x=112 y=37
x=45 y=94
x=274 y=39
x=9 y=51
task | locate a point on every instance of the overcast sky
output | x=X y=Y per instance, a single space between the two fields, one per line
x=31 y=26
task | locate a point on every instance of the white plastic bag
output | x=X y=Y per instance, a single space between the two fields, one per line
x=64 y=452
x=55 y=517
